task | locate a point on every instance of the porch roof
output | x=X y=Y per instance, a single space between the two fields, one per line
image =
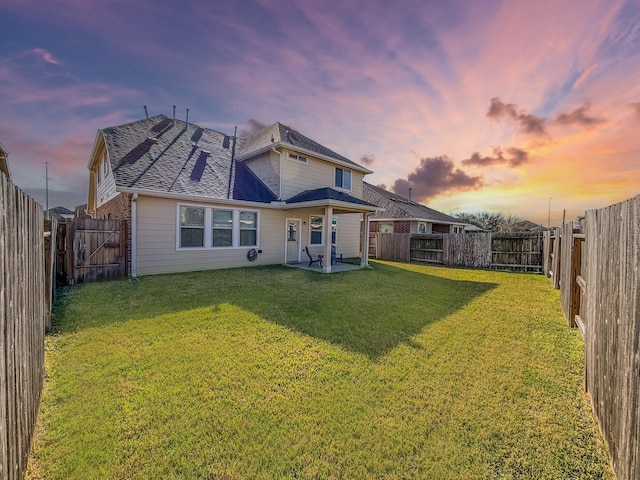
x=328 y=196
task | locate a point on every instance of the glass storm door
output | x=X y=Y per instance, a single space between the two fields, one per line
x=293 y=241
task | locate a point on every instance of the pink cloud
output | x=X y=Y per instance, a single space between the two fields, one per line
x=46 y=56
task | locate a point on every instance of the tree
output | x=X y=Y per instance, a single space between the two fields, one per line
x=492 y=221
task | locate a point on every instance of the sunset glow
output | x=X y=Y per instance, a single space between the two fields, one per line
x=492 y=105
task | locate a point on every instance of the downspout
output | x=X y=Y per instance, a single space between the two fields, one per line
x=273 y=149
x=134 y=214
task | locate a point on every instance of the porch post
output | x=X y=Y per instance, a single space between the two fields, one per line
x=364 y=259
x=328 y=211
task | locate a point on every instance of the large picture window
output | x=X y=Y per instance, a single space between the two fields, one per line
x=222 y=228
x=191 y=227
x=316 y=225
x=343 y=178
x=248 y=229
x=213 y=228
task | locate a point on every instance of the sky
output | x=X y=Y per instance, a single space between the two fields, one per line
x=528 y=108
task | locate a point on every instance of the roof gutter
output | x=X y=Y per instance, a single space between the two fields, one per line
x=196 y=198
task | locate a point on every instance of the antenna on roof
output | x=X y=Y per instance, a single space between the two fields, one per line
x=187 y=120
x=174 y=114
x=146 y=114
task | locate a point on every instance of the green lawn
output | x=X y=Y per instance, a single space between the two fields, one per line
x=396 y=372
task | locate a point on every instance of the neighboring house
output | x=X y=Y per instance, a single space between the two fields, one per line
x=402 y=215
x=4 y=162
x=198 y=199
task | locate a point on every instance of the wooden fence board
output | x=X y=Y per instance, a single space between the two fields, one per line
x=612 y=325
x=22 y=325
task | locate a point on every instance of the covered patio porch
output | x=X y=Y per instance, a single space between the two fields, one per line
x=328 y=203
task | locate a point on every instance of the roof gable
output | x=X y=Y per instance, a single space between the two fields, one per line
x=279 y=134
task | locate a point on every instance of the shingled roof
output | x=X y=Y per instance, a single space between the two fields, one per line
x=170 y=156
x=279 y=134
x=397 y=206
x=327 y=193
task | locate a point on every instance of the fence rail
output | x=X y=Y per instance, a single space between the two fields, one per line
x=23 y=313
x=521 y=251
x=597 y=273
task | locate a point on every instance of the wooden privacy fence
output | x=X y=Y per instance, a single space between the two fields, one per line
x=23 y=313
x=596 y=270
x=509 y=251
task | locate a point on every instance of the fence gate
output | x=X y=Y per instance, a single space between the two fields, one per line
x=99 y=249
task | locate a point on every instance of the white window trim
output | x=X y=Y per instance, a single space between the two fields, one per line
x=208 y=227
x=335 y=171
x=324 y=219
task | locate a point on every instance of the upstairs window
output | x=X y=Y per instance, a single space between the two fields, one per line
x=343 y=178
x=298 y=158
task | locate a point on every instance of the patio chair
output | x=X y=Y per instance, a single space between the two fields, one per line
x=311 y=260
x=335 y=257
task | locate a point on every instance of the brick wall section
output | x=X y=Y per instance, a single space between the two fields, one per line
x=373 y=227
x=437 y=228
x=401 y=227
x=119 y=208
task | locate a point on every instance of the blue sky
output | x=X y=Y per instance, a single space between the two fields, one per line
x=491 y=105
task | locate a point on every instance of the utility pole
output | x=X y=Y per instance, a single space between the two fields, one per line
x=549 y=215
x=46 y=170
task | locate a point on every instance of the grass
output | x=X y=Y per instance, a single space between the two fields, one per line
x=398 y=372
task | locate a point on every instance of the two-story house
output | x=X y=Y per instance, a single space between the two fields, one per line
x=197 y=199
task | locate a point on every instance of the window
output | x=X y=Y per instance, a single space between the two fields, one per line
x=343 y=178
x=334 y=230
x=248 y=229
x=213 y=228
x=191 y=227
x=386 y=227
x=299 y=158
x=316 y=224
x=422 y=227
x=222 y=228
x=458 y=229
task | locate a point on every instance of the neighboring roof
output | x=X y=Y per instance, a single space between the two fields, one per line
x=61 y=210
x=397 y=206
x=327 y=193
x=528 y=226
x=279 y=134
x=4 y=162
x=159 y=154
